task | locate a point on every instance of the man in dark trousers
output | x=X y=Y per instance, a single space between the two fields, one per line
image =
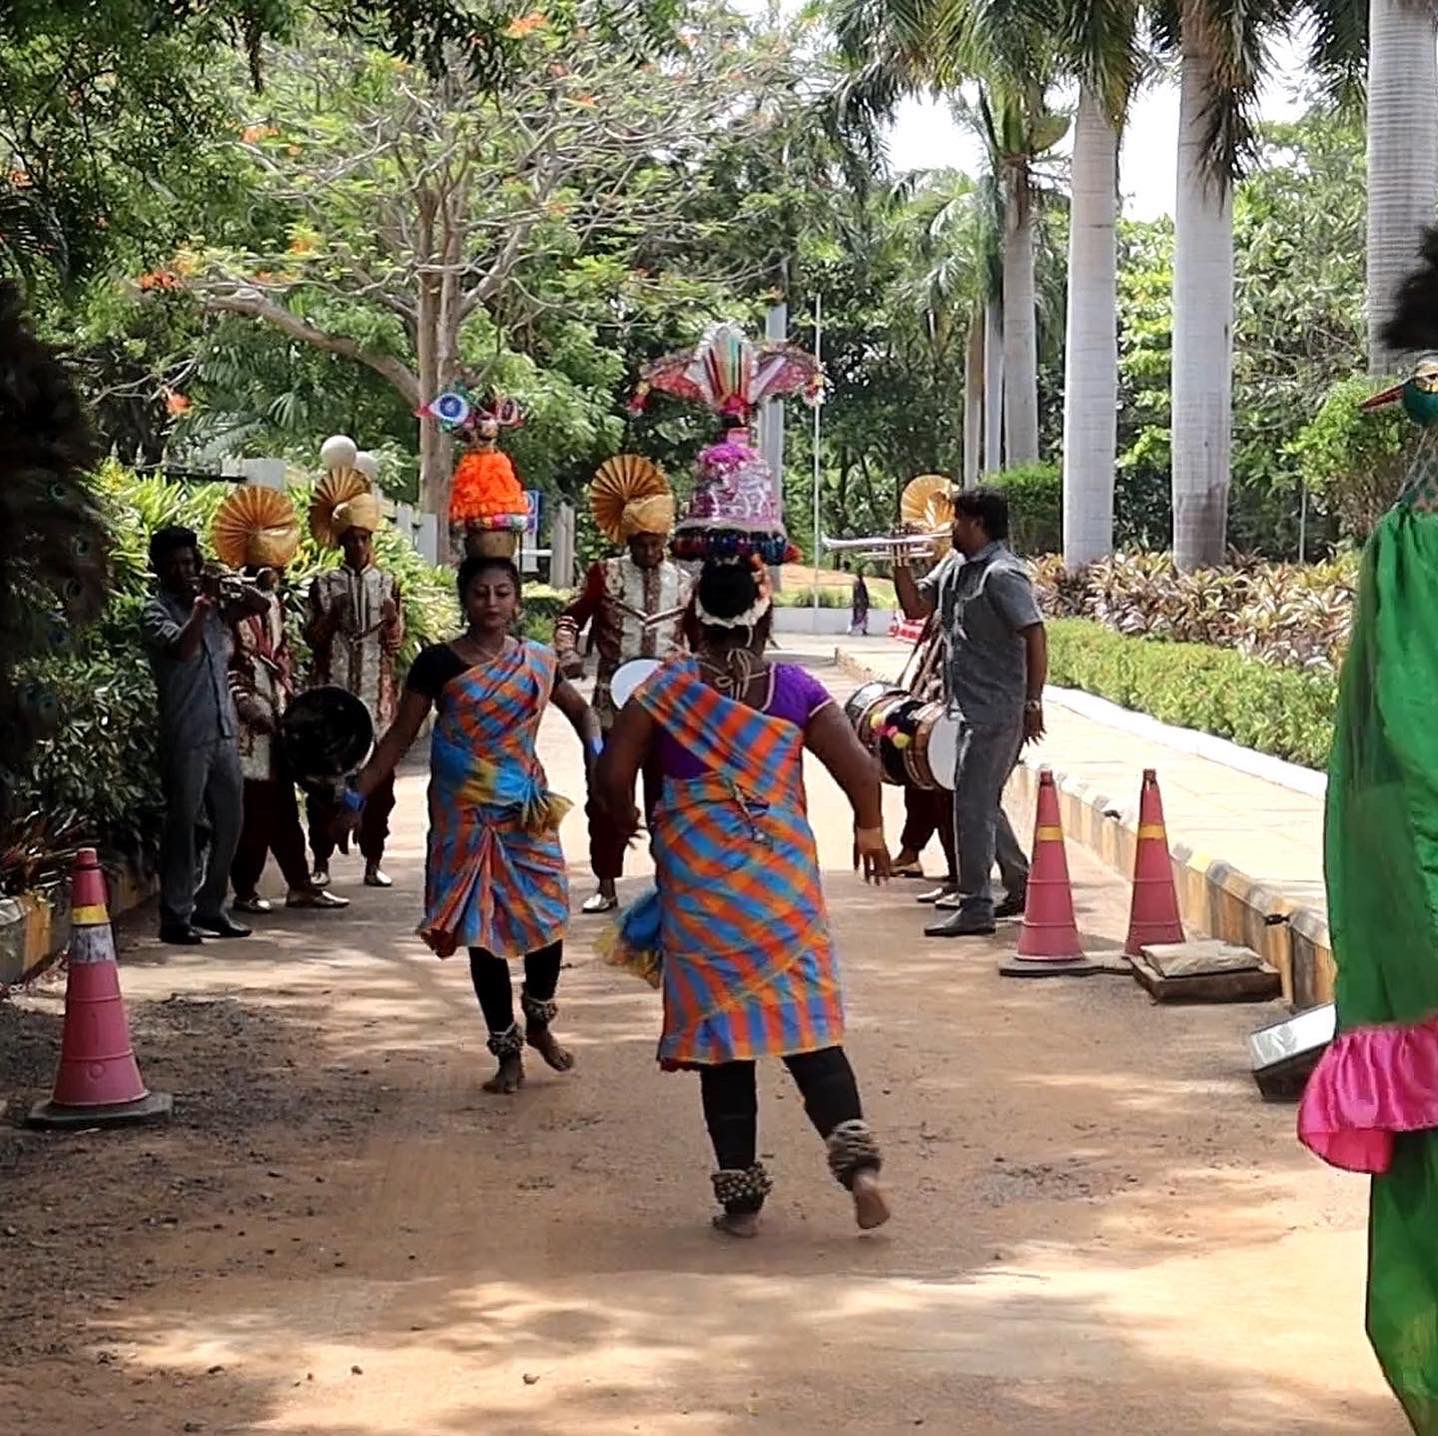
x=189 y=644
x=998 y=663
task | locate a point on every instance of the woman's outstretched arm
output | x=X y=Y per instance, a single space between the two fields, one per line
x=831 y=739
x=618 y=770
x=582 y=718
x=413 y=710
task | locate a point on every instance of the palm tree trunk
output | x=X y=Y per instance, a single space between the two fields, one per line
x=1402 y=153
x=993 y=386
x=1091 y=338
x=973 y=398
x=1021 y=343
x=1202 y=320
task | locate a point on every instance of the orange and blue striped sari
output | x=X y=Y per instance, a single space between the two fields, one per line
x=495 y=876
x=748 y=967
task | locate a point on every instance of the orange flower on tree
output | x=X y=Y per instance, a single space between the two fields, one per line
x=176 y=404
x=526 y=25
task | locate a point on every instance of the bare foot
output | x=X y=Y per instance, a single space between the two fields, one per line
x=547 y=1045
x=871 y=1207
x=509 y=1079
x=737 y=1224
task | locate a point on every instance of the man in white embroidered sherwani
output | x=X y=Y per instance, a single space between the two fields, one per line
x=356 y=630
x=634 y=607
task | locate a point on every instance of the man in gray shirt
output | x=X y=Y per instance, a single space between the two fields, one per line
x=189 y=645
x=996 y=665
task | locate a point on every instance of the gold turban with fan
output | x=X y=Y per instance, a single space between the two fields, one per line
x=360 y=512
x=648 y=514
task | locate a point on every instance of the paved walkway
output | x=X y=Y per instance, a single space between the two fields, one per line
x=1269 y=832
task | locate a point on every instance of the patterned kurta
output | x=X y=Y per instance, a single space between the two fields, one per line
x=260 y=679
x=495 y=877
x=633 y=612
x=362 y=653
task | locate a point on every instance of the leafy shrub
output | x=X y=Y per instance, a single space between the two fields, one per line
x=1035 y=494
x=95 y=779
x=1297 y=615
x=1354 y=462
x=542 y=607
x=1286 y=713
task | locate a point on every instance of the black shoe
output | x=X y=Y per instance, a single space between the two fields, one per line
x=961 y=925
x=180 y=934
x=220 y=927
x=1013 y=904
x=937 y=895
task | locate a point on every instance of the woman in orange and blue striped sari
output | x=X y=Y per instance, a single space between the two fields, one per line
x=738 y=920
x=495 y=880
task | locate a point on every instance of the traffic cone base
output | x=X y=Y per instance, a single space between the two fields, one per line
x=1050 y=967
x=98 y=1082
x=1154 y=918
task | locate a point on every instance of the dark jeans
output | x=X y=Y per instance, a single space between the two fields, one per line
x=272 y=825
x=203 y=786
x=731 y=1101
x=926 y=812
x=606 y=840
x=322 y=811
x=987 y=756
x=492 y=986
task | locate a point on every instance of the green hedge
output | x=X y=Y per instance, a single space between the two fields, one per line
x=1280 y=711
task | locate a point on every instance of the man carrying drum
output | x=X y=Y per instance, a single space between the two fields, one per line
x=633 y=605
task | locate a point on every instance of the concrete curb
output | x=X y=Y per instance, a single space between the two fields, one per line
x=1213 y=895
x=35 y=929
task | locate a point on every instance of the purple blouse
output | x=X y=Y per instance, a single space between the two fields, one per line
x=795 y=695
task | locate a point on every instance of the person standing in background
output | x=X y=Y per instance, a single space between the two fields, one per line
x=859 y=612
x=188 y=642
x=998 y=663
x=355 y=631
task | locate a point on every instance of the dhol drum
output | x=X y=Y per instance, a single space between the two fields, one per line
x=897 y=742
x=925 y=721
x=871 y=721
x=628 y=678
x=326 y=736
x=862 y=699
x=940 y=740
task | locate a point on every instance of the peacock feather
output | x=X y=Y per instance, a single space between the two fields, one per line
x=54 y=547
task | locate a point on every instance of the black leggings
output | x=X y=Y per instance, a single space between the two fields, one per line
x=492 y=986
x=731 y=1101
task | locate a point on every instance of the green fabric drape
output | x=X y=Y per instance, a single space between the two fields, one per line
x=1381 y=866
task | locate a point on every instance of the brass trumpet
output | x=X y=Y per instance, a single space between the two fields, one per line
x=228 y=587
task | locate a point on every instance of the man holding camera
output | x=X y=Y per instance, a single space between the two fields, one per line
x=189 y=644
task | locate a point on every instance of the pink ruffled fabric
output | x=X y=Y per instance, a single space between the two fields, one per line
x=1371 y=1083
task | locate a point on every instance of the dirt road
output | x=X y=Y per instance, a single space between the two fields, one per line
x=1099 y=1227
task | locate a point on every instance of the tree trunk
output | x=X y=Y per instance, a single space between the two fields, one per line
x=1021 y=342
x=1402 y=154
x=973 y=398
x=1202 y=321
x=993 y=386
x=1091 y=338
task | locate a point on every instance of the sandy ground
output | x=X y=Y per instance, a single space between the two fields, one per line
x=1098 y=1227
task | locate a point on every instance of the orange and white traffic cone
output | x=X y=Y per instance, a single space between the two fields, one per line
x=98 y=1083
x=1153 y=916
x=1049 y=942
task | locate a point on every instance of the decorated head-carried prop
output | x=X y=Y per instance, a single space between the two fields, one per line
x=487 y=508
x=734 y=512
x=629 y=496
x=343 y=500
x=256 y=528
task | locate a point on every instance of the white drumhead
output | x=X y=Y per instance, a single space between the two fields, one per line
x=628 y=677
x=944 y=751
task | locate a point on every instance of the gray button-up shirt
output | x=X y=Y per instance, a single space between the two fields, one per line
x=195 y=703
x=984 y=604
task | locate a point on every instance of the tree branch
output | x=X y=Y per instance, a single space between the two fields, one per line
x=245 y=300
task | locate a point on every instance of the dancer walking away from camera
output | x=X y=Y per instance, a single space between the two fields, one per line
x=738 y=919
x=495 y=881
